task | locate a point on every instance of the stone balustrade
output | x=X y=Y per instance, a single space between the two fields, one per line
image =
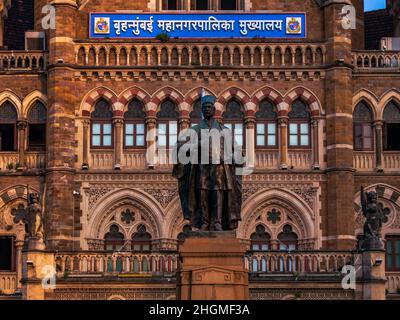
x=202 y=54
x=391 y=161
x=364 y=161
x=8 y=282
x=35 y=160
x=8 y=160
x=267 y=159
x=376 y=60
x=298 y=261
x=300 y=159
x=22 y=60
x=393 y=282
x=103 y=263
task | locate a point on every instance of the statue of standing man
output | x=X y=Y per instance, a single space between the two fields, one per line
x=209 y=189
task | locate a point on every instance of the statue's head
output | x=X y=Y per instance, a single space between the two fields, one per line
x=33 y=198
x=208 y=107
x=372 y=197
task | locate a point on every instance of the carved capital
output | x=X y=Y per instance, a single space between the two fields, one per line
x=22 y=124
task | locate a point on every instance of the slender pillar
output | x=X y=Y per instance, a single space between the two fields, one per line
x=21 y=126
x=18 y=249
x=283 y=142
x=118 y=124
x=151 y=127
x=378 y=145
x=85 y=144
x=315 y=143
x=250 y=122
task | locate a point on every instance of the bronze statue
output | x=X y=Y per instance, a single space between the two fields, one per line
x=34 y=218
x=211 y=192
x=375 y=217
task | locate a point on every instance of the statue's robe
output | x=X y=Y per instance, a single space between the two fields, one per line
x=193 y=178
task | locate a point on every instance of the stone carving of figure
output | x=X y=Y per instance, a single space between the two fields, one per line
x=210 y=193
x=34 y=218
x=375 y=217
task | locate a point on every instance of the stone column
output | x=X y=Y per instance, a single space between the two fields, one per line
x=18 y=248
x=338 y=223
x=21 y=126
x=315 y=143
x=283 y=142
x=378 y=145
x=184 y=123
x=250 y=122
x=85 y=144
x=151 y=127
x=62 y=101
x=118 y=140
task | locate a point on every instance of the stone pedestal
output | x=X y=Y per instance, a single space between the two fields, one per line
x=37 y=266
x=371 y=278
x=212 y=267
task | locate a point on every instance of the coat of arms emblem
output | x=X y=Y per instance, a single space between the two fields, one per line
x=293 y=25
x=102 y=25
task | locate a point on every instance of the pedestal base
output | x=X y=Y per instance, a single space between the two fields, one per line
x=212 y=267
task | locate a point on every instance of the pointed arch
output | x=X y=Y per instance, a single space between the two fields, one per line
x=388 y=96
x=99 y=215
x=370 y=99
x=30 y=99
x=134 y=93
x=91 y=98
x=307 y=97
x=14 y=192
x=195 y=94
x=291 y=201
x=168 y=93
x=271 y=94
x=8 y=95
x=242 y=96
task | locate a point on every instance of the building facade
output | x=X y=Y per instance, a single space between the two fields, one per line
x=325 y=115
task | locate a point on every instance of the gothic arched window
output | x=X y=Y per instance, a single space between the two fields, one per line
x=114 y=239
x=135 y=125
x=391 y=117
x=299 y=125
x=8 y=122
x=287 y=239
x=167 y=124
x=37 y=117
x=362 y=120
x=260 y=239
x=141 y=240
x=393 y=253
x=102 y=128
x=266 y=130
x=233 y=119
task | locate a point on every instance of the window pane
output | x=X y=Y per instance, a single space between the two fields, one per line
x=238 y=128
x=162 y=129
x=129 y=141
x=367 y=143
x=293 y=140
x=271 y=140
x=398 y=246
x=172 y=139
x=140 y=140
x=389 y=246
x=239 y=140
x=264 y=247
x=367 y=131
x=260 y=140
x=146 y=247
x=136 y=247
x=260 y=128
x=96 y=128
x=107 y=140
x=140 y=128
x=293 y=128
x=107 y=128
x=162 y=140
x=228 y=125
x=173 y=127
x=271 y=128
x=96 y=140
x=109 y=247
x=256 y=247
x=304 y=128
x=304 y=140
x=389 y=260
x=129 y=128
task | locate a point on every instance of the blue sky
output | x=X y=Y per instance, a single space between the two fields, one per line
x=374 y=4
